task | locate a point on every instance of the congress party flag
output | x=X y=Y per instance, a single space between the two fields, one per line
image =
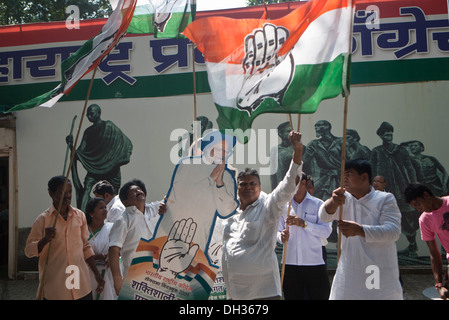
x=88 y=57
x=286 y=65
x=163 y=18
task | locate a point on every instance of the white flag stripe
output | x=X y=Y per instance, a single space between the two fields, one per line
x=100 y=44
x=316 y=45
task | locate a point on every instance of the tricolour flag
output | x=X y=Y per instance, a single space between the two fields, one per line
x=287 y=65
x=163 y=18
x=88 y=57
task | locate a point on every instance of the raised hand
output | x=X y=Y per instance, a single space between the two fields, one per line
x=217 y=174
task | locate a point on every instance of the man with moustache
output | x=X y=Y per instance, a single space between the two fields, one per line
x=69 y=247
x=250 y=266
x=127 y=230
x=370 y=226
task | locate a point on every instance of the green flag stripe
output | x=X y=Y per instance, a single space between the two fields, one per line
x=142 y=23
x=362 y=73
x=310 y=85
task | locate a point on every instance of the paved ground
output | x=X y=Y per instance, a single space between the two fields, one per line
x=416 y=286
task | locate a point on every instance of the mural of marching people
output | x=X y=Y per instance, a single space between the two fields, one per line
x=322 y=160
x=397 y=163
x=393 y=161
x=284 y=155
x=428 y=169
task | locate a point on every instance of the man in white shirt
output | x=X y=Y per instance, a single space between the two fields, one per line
x=371 y=224
x=249 y=263
x=133 y=224
x=305 y=274
x=115 y=207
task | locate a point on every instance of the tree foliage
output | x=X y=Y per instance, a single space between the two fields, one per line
x=23 y=11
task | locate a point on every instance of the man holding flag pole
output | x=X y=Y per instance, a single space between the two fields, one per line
x=249 y=263
x=371 y=224
x=83 y=61
x=286 y=65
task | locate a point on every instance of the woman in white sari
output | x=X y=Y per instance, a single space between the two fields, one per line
x=96 y=213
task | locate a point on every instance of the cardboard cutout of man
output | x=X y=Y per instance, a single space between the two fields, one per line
x=202 y=189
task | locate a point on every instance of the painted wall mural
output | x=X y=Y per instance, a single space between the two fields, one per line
x=398 y=162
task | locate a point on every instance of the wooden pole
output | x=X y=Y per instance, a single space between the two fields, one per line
x=284 y=253
x=44 y=271
x=195 y=131
x=345 y=117
x=266 y=10
x=290 y=120
x=342 y=171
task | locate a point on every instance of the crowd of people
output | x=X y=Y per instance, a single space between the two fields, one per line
x=102 y=240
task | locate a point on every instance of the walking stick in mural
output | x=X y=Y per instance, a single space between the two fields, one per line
x=68 y=148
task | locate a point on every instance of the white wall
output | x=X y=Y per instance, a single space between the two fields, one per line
x=416 y=110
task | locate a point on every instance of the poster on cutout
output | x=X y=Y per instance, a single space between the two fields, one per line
x=182 y=259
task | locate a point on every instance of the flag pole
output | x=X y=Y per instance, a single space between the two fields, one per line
x=195 y=131
x=44 y=271
x=342 y=171
x=345 y=119
x=284 y=253
x=266 y=11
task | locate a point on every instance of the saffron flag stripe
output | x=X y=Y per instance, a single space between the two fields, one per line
x=218 y=46
x=223 y=77
x=287 y=65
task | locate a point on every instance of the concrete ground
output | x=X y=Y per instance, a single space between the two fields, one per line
x=418 y=285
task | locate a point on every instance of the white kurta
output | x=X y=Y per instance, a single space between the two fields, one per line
x=115 y=209
x=127 y=231
x=249 y=263
x=100 y=244
x=304 y=246
x=368 y=267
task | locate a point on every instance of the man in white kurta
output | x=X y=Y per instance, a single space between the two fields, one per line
x=249 y=263
x=371 y=224
x=135 y=223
